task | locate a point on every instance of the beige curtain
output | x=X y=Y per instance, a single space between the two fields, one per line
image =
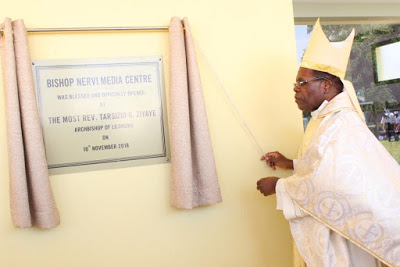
x=31 y=198
x=194 y=179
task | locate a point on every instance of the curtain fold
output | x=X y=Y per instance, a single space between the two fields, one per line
x=194 y=179
x=31 y=198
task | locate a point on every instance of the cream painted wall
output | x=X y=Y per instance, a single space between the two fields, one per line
x=122 y=217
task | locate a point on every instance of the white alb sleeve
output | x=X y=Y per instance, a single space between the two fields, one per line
x=285 y=203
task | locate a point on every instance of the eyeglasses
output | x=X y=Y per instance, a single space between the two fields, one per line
x=300 y=83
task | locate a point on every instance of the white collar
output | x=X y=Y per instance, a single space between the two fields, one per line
x=315 y=113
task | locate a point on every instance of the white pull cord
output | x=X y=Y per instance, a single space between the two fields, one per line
x=227 y=96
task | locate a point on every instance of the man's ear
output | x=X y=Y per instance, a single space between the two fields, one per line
x=327 y=86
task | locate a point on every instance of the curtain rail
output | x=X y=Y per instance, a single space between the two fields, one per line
x=95 y=29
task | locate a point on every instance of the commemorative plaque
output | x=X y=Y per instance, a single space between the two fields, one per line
x=102 y=113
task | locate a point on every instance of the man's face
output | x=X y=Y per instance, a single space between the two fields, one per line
x=310 y=95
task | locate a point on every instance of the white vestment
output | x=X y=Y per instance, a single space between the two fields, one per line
x=343 y=200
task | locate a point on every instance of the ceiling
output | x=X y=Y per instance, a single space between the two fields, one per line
x=348 y=1
x=360 y=9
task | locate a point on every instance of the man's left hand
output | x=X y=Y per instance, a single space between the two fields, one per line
x=267 y=185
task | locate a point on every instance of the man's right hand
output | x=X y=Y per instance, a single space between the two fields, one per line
x=274 y=159
x=267 y=185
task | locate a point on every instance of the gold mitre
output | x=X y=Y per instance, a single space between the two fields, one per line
x=326 y=56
